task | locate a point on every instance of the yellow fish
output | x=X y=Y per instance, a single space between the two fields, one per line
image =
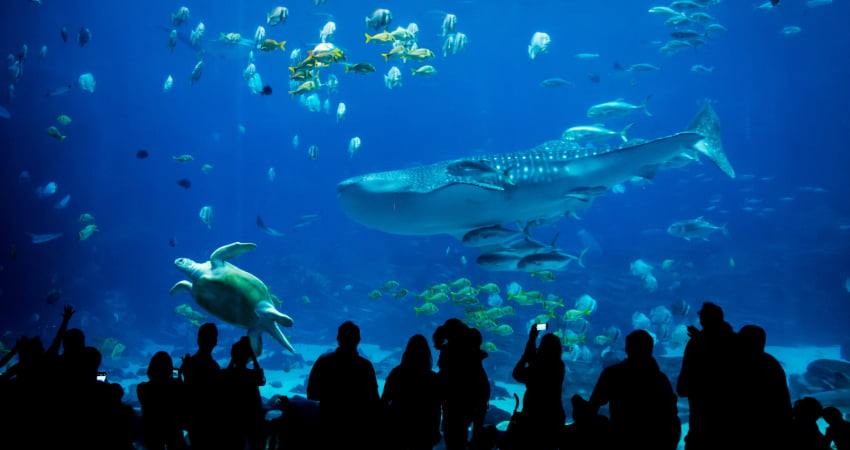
x=87 y=232
x=231 y=38
x=305 y=87
x=54 y=133
x=419 y=54
x=117 y=350
x=375 y=294
x=426 y=310
x=380 y=38
x=502 y=330
x=575 y=314
x=489 y=347
x=63 y=119
x=490 y=288
x=544 y=275
x=270 y=45
x=396 y=52
x=389 y=285
x=425 y=71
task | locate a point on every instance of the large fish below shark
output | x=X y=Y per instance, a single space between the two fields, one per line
x=547 y=181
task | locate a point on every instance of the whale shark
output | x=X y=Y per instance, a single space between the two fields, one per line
x=552 y=179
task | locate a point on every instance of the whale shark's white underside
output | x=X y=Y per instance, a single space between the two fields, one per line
x=549 y=180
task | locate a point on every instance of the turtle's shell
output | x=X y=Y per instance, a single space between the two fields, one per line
x=231 y=294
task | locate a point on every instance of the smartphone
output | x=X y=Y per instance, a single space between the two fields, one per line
x=175 y=373
x=542 y=326
x=101 y=376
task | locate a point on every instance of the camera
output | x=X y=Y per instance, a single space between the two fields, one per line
x=101 y=376
x=542 y=326
x=175 y=373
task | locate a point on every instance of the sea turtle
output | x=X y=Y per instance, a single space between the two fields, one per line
x=234 y=295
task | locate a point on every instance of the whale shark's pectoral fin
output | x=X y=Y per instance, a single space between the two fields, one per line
x=181 y=286
x=479 y=173
x=482 y=184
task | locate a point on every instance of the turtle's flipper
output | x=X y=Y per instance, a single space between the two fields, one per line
x=274 y=331
x=269 y=320
x=267 y=309
x=229 y=251
x=181 y=286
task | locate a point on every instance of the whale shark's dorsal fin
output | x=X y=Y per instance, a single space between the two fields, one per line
x=707 y=124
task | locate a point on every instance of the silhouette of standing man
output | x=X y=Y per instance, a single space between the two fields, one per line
x=346 y=388
x=641 y=401
x=706 y=381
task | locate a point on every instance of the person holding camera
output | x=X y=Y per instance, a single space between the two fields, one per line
x=542 y=371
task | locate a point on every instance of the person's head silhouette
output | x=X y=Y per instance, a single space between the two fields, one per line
x=207 y=336
x=639 y=344
x=710 y=315
x=348 y=336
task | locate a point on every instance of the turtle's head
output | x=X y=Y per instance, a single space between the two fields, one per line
x=189 y=267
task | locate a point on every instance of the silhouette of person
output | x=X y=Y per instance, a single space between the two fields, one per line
x=163 y=402
x=763 y=393
x=412 y=396
x=589 y=430
x=92 y=411
x=641 y=401
x=805 y=433
x=242 y=406
x=466 y=389
x=346 y=388
x=542 y=372
x=200 y=377
x=838 y=431
x=706 y=380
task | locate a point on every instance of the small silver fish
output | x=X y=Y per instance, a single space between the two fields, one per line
x=206 y=215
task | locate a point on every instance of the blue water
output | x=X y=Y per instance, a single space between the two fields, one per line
x=782 y=101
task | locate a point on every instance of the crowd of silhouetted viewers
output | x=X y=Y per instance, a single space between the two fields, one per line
x=737 y=394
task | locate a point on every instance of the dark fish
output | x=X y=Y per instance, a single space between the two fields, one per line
x=184 y=183
x=380 y=18
x=53 y=296
x=267 y=90
x=270 y=231
x=58 y=90
x=172 y=242
x=498 y=261
x=83 y=36
x=686 y=34
x=594 y=77
x=142 y=154
x=64 y=34
x=680 y=308
x=618 y=67
x=13 y=253
x=775 y=3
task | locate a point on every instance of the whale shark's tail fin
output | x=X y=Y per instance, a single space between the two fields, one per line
x=707 y=124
